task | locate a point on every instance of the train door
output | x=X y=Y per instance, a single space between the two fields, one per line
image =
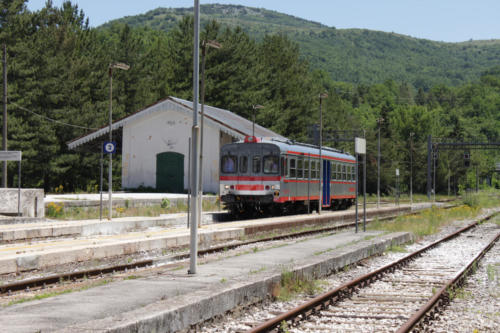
x=326 y=183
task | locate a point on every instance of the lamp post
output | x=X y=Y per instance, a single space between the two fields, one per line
x=4 y=128
x=204 y=45
x=124 y=67
x=255 y=107
x=411 y=168
x=379 y=122
x=320 y=200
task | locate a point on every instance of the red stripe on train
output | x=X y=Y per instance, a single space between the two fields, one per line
x=250 y=178
x=258 y=187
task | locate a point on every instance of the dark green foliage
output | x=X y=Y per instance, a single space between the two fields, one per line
x=58 y=68
x=351 y=55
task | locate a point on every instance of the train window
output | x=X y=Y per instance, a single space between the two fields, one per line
x=283 y=166
x=271 y=164
x=229 y=163
x=256 y=164
x=344 y=176
x=306 y=169
x=354 y=173
x=300 y=165
x=317 y=170
x=313 y=169
x=348 y=172
x=243 y=164
x=293 y=168
x=337 y=174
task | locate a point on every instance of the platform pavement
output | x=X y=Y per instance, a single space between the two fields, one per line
x=174 y=300
x=20 y=257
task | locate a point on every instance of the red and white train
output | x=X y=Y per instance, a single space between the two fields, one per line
x=273 y=176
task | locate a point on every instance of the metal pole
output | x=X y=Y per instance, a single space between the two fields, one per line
x=411 y=169
x=308 y=188
x=193 y=253
x=189 y=180
x=364 y=192
x=110 y=171
x=4 y=129
x=200 y=181
x=101 y=181
x=320 y=200
x=429 y=153
x=477 y=181
x=379 y=120
x=434 y=181
x=19 y=191
x=357 y=178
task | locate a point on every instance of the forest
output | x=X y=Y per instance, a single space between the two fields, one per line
x=58 y=90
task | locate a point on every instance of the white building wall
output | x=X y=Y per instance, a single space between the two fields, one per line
x=167 y=131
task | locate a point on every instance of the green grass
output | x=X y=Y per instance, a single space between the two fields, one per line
x=57 y=293
x=58 y=211
x=292 y=285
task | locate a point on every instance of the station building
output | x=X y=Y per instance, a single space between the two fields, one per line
x=155 y=145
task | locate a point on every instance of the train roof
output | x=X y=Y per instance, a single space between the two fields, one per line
x=304 y=148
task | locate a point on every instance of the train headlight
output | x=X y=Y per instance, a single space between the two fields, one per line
x=226 y=187
x=275 y=187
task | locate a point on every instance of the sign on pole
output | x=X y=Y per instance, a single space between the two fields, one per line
x=109 y=147
x=360 y=146
x=12 y=155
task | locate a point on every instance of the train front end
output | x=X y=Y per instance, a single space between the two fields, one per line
x=249 y=176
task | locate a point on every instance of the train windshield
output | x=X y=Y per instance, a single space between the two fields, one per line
x=271 y=164
x=229 y=163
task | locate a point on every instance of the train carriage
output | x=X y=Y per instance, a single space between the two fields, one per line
x=273 y=176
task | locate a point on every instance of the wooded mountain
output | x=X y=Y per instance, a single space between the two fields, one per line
x=351 y=55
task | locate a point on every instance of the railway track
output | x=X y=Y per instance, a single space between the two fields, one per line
x=170 y=261
x=8 y=289
x=402 y=296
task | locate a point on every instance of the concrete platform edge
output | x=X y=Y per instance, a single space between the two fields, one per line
x=175 y=314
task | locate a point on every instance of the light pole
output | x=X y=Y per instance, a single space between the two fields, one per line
x=204 y=45
x=411 y=168
x=124 y=67
x=4 y=128
x=255 y=107
x=320 y=200
x=379 y=122
x=193 y=240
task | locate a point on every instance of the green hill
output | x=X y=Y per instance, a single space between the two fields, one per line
x=351 y=55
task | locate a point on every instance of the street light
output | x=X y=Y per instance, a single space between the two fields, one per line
x=204 y=45
x=411 y=168
x=379 y=122
x=124 y=67
x=320 y=201
x=255 y=107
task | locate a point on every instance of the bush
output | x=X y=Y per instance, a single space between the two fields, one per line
x=165 y=203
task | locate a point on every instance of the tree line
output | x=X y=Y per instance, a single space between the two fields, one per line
x=59 y=90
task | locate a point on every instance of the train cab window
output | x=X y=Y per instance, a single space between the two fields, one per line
x=256 y=164
x=300 y=171
x=229 y=163
x=353 y=173
x=332 y=171
x=293 y=168
x=271 y=164
x=243 y=164
x=317 y=170
x=283 y=169
x=313 y=169
x=344 y=175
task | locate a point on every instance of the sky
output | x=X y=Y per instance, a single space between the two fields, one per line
x=439 y=20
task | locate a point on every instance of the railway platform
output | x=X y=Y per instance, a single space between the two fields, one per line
x=174 y=300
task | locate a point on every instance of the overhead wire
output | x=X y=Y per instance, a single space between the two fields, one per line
x=50 y=119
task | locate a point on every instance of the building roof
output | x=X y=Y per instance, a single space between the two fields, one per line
x=225 y=120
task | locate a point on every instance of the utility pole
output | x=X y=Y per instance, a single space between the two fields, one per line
x=4 y=131
x=320 y=200
x=379 y=122
x=193 y=248
x=411 y=168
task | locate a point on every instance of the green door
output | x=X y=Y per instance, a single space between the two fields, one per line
x=170 y=172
